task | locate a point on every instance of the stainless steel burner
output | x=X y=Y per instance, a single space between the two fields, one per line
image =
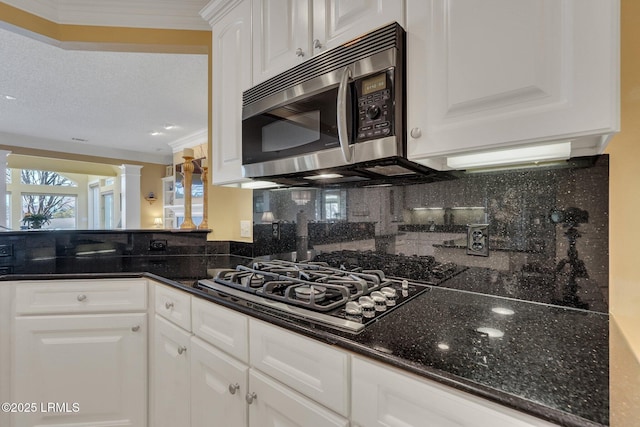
x=314 y=291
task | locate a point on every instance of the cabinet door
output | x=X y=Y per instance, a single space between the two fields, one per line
x=171 y=375
x=93 y=366
x=400 y=400
x=339 y=21
x=316 y=370
x=281 y=36
x=497 y=73
x=274 y=405
x=231 y=64
x=218 y=387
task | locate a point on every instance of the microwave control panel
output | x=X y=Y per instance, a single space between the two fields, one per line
x=375 y=106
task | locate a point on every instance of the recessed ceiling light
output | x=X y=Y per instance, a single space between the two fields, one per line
x=169 y=126
x=10 y=98
x=155 y=133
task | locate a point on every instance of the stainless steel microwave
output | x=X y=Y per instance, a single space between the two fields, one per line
x=341 y=114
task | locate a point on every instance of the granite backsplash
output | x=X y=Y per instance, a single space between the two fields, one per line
x=547 y=228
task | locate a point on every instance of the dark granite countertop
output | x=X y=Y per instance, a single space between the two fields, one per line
x=550 y=361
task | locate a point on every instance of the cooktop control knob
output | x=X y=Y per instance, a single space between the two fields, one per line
x=373 y=112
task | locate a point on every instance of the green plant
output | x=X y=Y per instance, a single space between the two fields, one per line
x=36 y=220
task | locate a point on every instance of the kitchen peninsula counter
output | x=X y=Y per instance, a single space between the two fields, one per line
x=549 y=361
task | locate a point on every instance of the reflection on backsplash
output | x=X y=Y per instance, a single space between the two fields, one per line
x=445 y=216
x=530 y=255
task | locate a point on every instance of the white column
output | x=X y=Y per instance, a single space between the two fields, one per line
x=3 y=187
x=130 y=196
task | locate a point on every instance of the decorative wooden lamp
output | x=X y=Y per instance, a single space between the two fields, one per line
x=187 y=171
x=205 y=195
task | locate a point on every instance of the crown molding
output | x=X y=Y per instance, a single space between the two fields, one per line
x=217 y=9
x=189 y=141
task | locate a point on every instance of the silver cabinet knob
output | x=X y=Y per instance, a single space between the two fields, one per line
x=317 y=44
x=233 y=388
x=135 y=328
x=82 y=297
x=182 y=349
x=168 y=305
x=416 y=133
x=250 y=397
x=299 y=52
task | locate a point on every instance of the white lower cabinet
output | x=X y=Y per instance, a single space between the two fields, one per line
x=248 y=373
x=78 y=352
x=275 y=405
x=171 y=374
x=218 y=387
x=81 y=370
x=316 y=370
x=386 y=397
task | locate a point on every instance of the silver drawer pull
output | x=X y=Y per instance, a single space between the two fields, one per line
x=168 y=305
x=135 y=328
x=233 y=388
x=82 y=297
x=299 y=52
x=182 y=349
x=250 y=397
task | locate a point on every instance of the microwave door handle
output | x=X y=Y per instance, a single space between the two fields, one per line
x=341 y=110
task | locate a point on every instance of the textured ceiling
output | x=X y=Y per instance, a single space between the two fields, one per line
x=113 y=100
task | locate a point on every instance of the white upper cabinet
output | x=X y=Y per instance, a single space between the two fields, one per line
x=287 y=32
x=338 y=21
x=498 y=73
x=231 y=68
x=281 y=36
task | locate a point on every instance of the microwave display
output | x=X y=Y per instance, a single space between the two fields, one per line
x=374 y=84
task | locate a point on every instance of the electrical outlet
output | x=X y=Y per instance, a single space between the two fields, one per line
x=478 y=239
x=158 y=245
x=245 y=228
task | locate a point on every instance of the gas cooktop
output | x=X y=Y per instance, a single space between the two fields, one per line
x=345 y=299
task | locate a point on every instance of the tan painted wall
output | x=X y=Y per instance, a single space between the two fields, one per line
x=624 y=202
x=624 y=229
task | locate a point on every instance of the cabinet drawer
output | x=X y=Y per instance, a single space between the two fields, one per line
x=224 y=328
x=310 y=367
x=81 y=296
x=173 y=305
